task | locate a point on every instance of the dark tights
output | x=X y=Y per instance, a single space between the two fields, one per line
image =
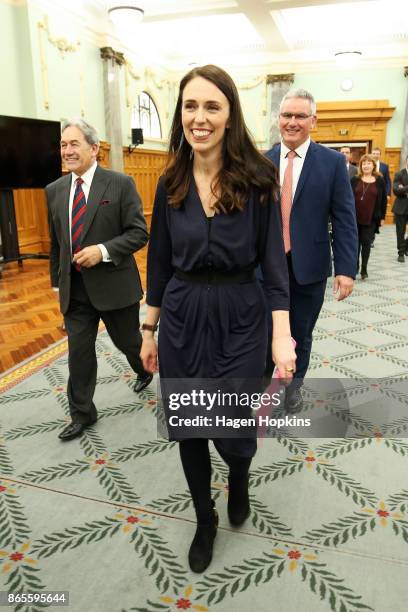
x=195 y=457
x=366 y=235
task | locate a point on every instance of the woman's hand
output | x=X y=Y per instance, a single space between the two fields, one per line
x=148 y=354
x=284 y=356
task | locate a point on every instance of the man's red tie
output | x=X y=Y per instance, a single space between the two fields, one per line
x=77 y=223
x=286 y=199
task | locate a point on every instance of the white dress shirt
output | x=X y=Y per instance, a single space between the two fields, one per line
x=298 y=162
x=87 y=177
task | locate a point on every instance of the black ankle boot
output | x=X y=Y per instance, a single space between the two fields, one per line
x=238 y=499
x=201 y=549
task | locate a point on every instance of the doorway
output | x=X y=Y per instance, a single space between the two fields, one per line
x=357 y=149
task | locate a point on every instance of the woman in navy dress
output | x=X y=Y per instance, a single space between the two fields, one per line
x=215 y=218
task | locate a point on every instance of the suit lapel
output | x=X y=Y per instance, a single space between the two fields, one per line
x=275 y=156
x=98 y=186
x=307 y=166
x=62 y=203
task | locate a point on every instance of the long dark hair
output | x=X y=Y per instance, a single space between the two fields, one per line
x=243 y=165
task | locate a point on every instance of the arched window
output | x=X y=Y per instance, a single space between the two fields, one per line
x=145 y=116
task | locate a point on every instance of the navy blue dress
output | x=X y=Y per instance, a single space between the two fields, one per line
x=215 y=331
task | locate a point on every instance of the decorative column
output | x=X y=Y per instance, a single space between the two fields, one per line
x=279 y=85
x=113 y=60
x=404 y=142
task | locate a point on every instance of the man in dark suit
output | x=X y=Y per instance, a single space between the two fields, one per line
x=352 y=170
x=400 y=210
x=383 y=168
x=96 y=224
x=315 y=188
x=385 y=171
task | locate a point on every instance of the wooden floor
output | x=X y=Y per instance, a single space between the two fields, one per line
x=30 y=319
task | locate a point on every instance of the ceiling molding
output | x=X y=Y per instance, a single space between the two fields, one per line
x=272 y=54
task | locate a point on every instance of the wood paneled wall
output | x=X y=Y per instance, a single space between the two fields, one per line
x=358 y=121
x=353 y=120
x=145 y=167
x=391 y=157
x=32 y=223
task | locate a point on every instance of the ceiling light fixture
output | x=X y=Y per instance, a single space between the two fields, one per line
x=125 y=16
x=347 y=59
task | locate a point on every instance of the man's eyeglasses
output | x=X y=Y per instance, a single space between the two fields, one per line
x=297 y=117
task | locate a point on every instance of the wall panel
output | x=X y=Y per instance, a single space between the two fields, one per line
x=145 y=167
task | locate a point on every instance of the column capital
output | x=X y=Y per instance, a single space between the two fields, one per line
x=280 y=78
x=116 y=56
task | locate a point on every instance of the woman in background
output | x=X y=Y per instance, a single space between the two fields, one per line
x=215 y=217
x=370 y=196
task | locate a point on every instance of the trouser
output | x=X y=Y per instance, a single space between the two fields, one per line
x=81 y=323
x=306 y=302
x=400 y=227
x=366 y=234
x=196 y=461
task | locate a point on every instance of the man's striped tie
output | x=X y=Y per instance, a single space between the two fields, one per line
x=77 y=223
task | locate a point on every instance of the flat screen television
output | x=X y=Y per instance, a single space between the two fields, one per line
x=29 y=152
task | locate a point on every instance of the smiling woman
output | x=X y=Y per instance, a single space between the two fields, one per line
x=214 y=219
x=205 y=116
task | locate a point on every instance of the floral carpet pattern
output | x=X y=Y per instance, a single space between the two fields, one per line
x=108 y=518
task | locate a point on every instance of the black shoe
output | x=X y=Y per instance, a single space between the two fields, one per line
x=293 y=401
x=201 y=549
x=238 y=499
x=364 y=275
x=73 y=430
x=142 y=382
x=401 y=258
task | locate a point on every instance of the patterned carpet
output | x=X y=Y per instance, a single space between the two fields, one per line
x=108 y=518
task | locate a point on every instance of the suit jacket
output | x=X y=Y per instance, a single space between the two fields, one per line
x=380 y=207
x=323 y=194
x=386 y=175
x=400 y=206
x=113 y=217
x=352 y=171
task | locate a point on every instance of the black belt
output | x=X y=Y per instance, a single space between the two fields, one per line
x=209 y=276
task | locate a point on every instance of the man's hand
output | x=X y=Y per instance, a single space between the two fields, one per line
x=88 y=257
x=343 y=286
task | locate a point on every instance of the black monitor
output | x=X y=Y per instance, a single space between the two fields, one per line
x=29 y=152
x=137 y=136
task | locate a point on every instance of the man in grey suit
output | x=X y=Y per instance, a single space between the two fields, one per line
x=352 y=170
x=400 y=210
x=96 y=224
